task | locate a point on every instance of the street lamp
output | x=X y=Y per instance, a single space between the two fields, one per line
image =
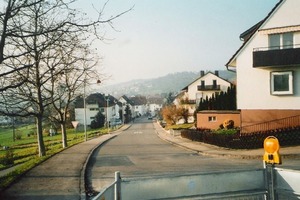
x=123 y=114
x=84 y=106
x=107 y=104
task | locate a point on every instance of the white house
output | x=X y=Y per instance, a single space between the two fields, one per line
x=125 y=101
x=154 y=105
x=139 y=107
x=96 y=102
x=268 y=69
x=205 y=86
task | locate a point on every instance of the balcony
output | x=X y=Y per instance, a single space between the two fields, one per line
x=187 y=101
x=208 y=87
x=276 y=57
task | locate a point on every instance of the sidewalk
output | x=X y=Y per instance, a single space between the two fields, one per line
x=59 y=177
x=207 y=149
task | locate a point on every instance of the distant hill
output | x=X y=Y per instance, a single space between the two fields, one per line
x=174 y=83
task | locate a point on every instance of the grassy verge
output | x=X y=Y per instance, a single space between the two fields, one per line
x=179 y=126
x=22 y=154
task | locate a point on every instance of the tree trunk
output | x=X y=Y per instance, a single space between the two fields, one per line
x=64 y=135
x=41 y=145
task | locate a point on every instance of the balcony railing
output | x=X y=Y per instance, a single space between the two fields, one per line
x=276 y=56
x=188 y=101
x=208 y=87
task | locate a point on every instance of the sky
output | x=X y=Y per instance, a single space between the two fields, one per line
x=158 y=37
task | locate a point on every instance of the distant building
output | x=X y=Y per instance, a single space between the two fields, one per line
x=139 y=107
x=97 y=102
x=205 y=86
x=154 y=105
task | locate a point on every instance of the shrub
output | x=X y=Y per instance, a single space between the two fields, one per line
x=45 y=132
x=18 y=135
x=8 y=159
x=227 y=131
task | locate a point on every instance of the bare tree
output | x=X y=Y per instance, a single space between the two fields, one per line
x=32 y=31
x=74 y=73
x=8 y=33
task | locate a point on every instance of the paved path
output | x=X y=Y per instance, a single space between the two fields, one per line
x=62 y=176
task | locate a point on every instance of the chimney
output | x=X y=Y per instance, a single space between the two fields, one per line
x=217 y=73
x=201 y=73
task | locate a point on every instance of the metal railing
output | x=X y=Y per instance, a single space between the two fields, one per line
x=292 y=46
x=272 y=125
x=269 y=183
x=113 y=191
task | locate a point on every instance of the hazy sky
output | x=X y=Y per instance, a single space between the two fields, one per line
x=159 y=37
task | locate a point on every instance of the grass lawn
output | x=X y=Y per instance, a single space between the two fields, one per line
x=23 y=153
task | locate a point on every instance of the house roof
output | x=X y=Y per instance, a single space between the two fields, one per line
x=96 y=98
x=155 y=100
x=138 y=100
x=129 y=101
x=248 y=34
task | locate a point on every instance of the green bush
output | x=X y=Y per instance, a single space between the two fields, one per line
x=18 y=135
x=8 y=159
x=227 y=131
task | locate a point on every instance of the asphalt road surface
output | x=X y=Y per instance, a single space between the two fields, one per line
x=138 y=152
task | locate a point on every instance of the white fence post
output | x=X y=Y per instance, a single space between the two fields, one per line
x=117 y=186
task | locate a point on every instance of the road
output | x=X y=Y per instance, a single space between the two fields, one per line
x=139 y=152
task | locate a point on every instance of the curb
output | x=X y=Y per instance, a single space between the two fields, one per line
x=82 y=184
x=84 y=168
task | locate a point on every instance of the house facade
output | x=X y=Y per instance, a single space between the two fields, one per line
x=125 y=101
x=204 y=87
x=268 y=70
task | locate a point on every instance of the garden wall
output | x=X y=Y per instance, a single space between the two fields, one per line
x=212 y=119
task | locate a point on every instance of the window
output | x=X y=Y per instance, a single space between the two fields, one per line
x=282 y=83
x=287 y=40
x=274 y=41
x=281 y=41
x=94 y=109
x=212 y=118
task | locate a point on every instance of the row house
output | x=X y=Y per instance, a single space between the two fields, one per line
x=203 y=87
x=140 y=105
x=268 y=70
